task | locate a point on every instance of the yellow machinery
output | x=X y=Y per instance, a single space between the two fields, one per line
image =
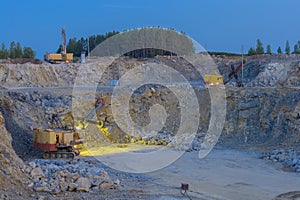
x=213 y=79
x=61 y=141
x=60 y=57
x=57 y=143
x=217 y=79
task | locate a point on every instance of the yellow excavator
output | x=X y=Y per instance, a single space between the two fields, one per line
x=213 y=79
x=217 y=79
x=63 y=141
x=62 y=57
x=57 y=143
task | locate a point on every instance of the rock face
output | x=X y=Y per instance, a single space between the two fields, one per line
x=24 y=111
x=271 y=70
x=12 y=179
x=265 y=111
x=44 y=74
x=264 y=115
x=264 y=70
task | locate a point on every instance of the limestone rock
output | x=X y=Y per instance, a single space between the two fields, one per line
x=12 y=167
x=41 y=189
x=106 y=185
x=37 y=173
x=56 y=190
x=63 y=186
x=72 y=187
x=32 y=165
x=83 y=184
x=72 y=177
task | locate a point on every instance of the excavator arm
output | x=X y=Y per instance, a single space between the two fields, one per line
x=64 y=42
x=233 y=74
x=83 y=124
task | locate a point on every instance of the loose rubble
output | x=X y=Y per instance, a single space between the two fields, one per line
x=289 y=158
x=77 y=175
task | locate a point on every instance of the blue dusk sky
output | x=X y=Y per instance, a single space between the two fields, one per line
x=218 y=25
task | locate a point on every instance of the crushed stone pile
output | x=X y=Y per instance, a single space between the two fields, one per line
x=59 y=176
x=288 y=157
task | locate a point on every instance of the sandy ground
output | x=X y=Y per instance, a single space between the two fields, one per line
x=224 y=174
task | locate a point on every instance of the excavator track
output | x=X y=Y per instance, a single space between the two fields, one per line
x=58 y=155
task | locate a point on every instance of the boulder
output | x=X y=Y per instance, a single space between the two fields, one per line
x=83 y=184
x=55 y=190
x=72 y=177
x=63 y=186
x=37 y=173
x=106 y=186
x=72 y=187
x=41 y=189
x=30 y=185
x=96 y=181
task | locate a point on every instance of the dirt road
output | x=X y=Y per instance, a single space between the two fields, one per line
x=224 y=174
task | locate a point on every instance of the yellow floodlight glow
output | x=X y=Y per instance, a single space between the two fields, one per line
x=113 y=149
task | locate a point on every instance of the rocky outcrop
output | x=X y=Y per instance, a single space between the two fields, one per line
x=262 y=115
x=264 y=70
x=12 y=178
x=265 y=111
x=37 y=75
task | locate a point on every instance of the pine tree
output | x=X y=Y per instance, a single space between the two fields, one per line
x=287 y=47
x=296 y=49
x=3 y=52
x=269 y=49
x=251 y=52
x=19 y=51
x=28 y=53
x=279 y=50
x=259 y=47
x=12 y=50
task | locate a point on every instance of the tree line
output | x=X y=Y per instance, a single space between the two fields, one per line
x=77 y=46
x=16 y=51
x=260 y=49
x=166 y=38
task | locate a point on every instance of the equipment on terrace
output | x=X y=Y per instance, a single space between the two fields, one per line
x=213 y=79
x=217 y=79
x=233 y=73
x=61 y=57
